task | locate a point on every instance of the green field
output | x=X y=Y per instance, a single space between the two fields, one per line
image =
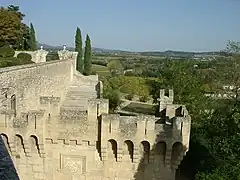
x=101 y=70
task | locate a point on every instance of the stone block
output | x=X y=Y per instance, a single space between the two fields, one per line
x=39 y=176
x=37 y=168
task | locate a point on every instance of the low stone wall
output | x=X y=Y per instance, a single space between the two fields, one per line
x=37 y=56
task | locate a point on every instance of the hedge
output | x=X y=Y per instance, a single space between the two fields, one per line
x=6 y=52
x=24 y=56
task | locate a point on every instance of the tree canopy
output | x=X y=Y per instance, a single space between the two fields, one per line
x=12 y=30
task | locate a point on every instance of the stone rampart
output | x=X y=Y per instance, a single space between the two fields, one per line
x=56 y=128
x=28 y=83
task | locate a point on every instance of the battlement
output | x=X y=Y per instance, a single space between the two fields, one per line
x=98 y=106
x=144 y=126
x=51 y=110
x=30 y=121
x=165 y=98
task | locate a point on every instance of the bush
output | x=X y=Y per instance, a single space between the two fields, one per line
x=143 y=99
x=114 y=100
x=93 y=73
x=24 y=56
x=129 y=73
x=52 y=56
x=102 y=63
x=6 y=52
x=13 y=61
x=129 y=97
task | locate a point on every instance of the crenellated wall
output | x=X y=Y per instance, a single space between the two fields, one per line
x=56 y=126
x=125 y=140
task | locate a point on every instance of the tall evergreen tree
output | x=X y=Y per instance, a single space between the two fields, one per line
x=78 y=48
x=32 y=40
x=88 y=57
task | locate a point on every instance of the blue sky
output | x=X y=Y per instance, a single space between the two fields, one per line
x=137 y=25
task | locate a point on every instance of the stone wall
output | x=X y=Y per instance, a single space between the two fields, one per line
x=37 y=56
x=30 y=82
x=93 y=145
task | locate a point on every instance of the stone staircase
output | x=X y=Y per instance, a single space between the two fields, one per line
x=76 y=103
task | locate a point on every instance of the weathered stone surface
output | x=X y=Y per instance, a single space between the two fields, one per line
x=56 y=128
x=128 y=126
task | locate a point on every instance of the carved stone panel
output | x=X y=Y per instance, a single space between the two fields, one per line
x=75 y=164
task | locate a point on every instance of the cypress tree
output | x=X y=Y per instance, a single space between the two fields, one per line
x=78 y=48
x=87 y=57
x=32 y=40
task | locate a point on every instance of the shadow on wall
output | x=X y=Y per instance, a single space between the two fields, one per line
x=160 y=160
x=7 y=169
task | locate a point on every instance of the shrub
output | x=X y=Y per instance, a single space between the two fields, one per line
x=6 y=51
x=102 y=63
x=13 y=61
x=129 y=73
x=24 y=56
x=129 y=97
x=143 y=99
x=93 y=73
x=113 y=96
x=24 y=61
x=52 y=56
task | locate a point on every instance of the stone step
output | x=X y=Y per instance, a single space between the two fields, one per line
x=81 y=95
x=75 y=103
x=83 y=88
x=69 y=108
x=82 y=91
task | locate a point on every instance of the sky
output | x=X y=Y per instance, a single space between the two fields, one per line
x=135 y=25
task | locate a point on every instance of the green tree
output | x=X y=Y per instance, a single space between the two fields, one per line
x=9 y=27
x=110 y=92
x=32 y=40
x=181 y=76
x=78 y=48
x=219 y=134
x=87 y=57
x=12 y=31
x=115 y=67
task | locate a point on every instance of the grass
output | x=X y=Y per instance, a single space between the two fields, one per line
x=101 y=70
x=140 y=108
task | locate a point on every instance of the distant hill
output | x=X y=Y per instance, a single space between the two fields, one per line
x=94 y=49
x=168 y=53
x=49 y=47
